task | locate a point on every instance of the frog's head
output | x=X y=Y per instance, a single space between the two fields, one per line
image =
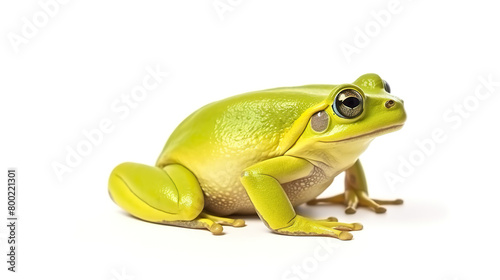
x=353 y=113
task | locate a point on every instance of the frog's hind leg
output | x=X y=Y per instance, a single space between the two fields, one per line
x=169 y=195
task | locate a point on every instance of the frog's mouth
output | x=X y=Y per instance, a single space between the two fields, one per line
x=372 y=134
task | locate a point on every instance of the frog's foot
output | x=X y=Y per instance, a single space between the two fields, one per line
x=353 y=198
x=212 y=223
x=328 y=227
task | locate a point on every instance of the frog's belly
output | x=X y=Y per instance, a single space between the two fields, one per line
x=234 y=199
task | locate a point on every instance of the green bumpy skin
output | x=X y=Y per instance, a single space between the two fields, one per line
x=265 y=152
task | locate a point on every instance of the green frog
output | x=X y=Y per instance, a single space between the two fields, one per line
x=265 y=152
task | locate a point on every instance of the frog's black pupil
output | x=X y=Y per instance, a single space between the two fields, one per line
x=387 y=87
x=351 y=102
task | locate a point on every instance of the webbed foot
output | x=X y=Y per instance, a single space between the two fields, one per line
x=212 y=223
x=328 y=227
x=354 y=198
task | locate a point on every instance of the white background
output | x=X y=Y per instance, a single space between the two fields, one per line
x=63 y=78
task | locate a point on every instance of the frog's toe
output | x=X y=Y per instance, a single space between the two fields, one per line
x=216 y=229
x=338 y=199
x=341 y=226
x=330 y=219
x=345 y=235
x=397 y=201
x=200 y=223
x=224 y=221
x=239 y=223
x=350 y=210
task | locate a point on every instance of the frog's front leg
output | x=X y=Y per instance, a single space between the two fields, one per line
x=356 y=193
x=170 y=195
x=262 y=182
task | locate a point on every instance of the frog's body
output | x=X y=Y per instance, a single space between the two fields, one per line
x=264 y=151
x=236 y=133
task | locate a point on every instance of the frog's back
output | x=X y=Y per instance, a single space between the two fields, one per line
x=221 y=139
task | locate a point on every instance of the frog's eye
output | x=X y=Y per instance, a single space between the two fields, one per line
x=386 y=86
x=348 y=104
x=320 y=121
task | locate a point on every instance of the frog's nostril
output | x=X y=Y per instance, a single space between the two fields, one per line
x=390 y=104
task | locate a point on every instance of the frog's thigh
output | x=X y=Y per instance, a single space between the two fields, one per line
x=156 y=195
